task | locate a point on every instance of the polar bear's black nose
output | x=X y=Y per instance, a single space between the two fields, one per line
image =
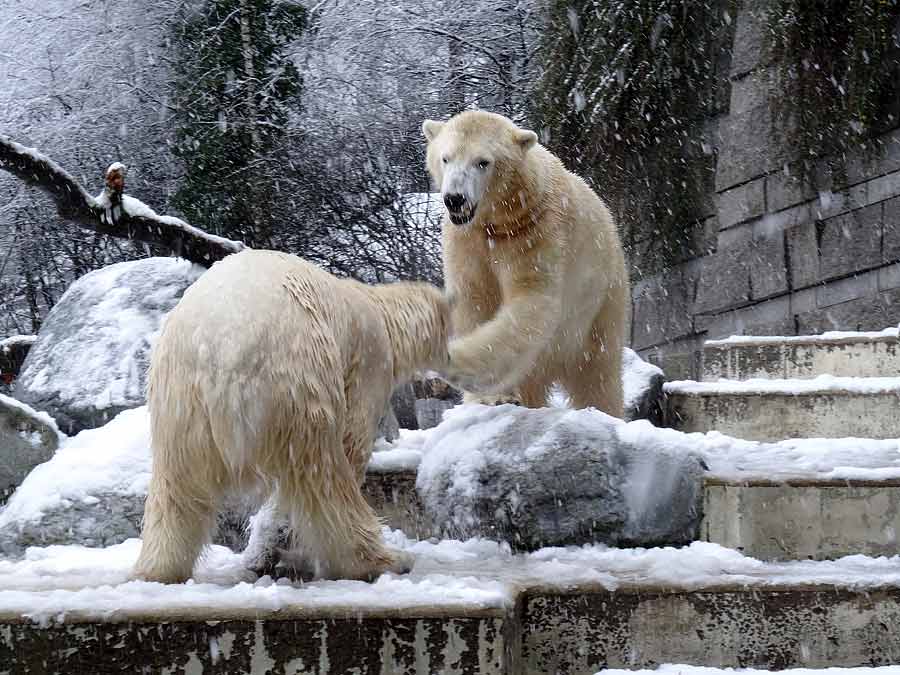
x=454 y=202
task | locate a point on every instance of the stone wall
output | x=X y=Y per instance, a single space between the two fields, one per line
x=778 y=256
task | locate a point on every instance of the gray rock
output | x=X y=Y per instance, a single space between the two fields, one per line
x=109 y=520
x=553 y=477
x=403 y=401
x=430 y=411
x=27 y=438
x=91 y=355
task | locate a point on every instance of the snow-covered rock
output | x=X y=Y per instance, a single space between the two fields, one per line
x=91 y=355
x=91 y=492
x=27 y=438
x=643 y=385
x=553 y=476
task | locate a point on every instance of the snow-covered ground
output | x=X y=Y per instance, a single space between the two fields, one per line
x=58 y=581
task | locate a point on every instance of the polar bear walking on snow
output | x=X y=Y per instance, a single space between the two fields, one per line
x=534 y=264
x=272 y=373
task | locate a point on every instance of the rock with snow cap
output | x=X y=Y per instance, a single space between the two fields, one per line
x=643 y=383
x=552 y=477
x=90 y=358
x=27 y=438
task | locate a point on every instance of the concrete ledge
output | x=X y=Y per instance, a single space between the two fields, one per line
x=576 y=631
x=775 y=416
x=798 y=520
x=580 y=633
x=463 y=645
x=862 y=355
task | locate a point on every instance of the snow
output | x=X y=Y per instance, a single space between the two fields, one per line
x=636 y=376
x=823 y=384
x=680 y=669
x=40 y=416
x=403 y=454
x=56 y=582
x=829 y=336
x=135 y=207
x=104 y=324
x=733 y=459
x=15 y=341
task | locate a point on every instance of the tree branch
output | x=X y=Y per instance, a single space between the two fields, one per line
x=132 y=219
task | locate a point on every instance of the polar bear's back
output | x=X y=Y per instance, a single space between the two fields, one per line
x=258 y=342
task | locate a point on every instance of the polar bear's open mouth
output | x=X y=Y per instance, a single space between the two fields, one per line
x=463 y=216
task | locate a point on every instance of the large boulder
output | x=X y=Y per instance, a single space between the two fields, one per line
x=27 y=438
x=552 y=477
x=90 y=358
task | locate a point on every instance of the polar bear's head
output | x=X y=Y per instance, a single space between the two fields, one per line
x=472 y=155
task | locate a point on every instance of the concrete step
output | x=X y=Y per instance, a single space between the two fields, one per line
x=574 y=632
x=792 y=518
x=466 y=608
x=799 y=519
x=772 y=410
x=842 y=354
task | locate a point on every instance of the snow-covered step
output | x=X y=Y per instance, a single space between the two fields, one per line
x=847 y=354
x=466 y=608
x=771 y=410
x=800 y=519
x=788 y=518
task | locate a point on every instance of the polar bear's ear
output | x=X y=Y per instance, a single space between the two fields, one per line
x=431 y=128
x=526 y=139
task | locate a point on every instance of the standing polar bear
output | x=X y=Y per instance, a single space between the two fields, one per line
x=271 y=373
x=534 y=265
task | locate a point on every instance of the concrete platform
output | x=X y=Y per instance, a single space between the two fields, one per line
x=576 y=631
x=803 y=519
x=848 y=354
x=779 y=410
x=584 y=631
x=309 y=642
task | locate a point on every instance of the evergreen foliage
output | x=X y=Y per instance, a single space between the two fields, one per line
x=625 y=88
x=838 y=61
x=235 y=88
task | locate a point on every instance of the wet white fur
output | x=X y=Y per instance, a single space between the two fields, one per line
x=539 y=279
x=270 y=375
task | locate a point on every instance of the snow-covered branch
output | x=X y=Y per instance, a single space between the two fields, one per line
x=129 y=218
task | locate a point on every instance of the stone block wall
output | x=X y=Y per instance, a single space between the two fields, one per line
x=779 y=257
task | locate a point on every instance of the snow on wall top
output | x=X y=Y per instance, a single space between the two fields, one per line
x=823 y=384
x=828 y=336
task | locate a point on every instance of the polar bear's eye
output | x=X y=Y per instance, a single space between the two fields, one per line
x=444 y=159
x=483 y=164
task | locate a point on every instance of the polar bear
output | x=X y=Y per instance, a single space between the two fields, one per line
x=272 y=374
x=534 y=264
